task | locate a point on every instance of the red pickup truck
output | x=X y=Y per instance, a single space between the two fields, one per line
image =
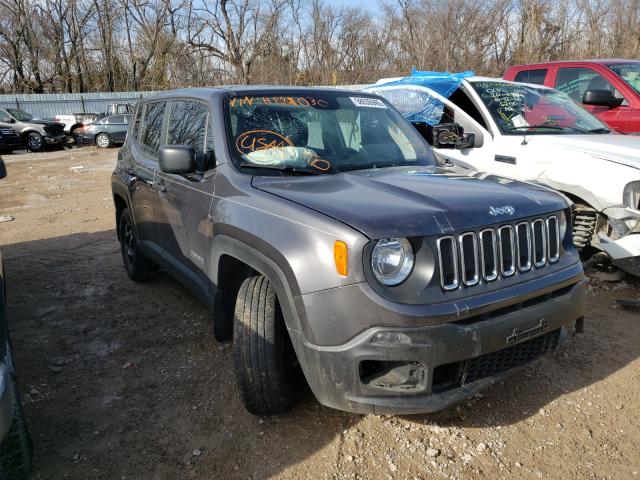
x=610 y=89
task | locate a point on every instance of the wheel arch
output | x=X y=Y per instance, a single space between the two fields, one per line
x=577 y=199
x=120 y=204
x=232 y=261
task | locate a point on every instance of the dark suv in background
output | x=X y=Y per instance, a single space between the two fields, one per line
x=15 y=443
x=35 y=134
x=322 y=233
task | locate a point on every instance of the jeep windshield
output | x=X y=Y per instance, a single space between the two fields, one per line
x=525 y=110
x=20 y=115
x=320 y=132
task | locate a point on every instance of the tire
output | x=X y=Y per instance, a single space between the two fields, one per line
x=16 y=448
x=263 y=357
x=138 y=267
x=34 y=142
x=103 y=140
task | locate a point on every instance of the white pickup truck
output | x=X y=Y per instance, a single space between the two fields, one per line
x=537 y=134
x=73 y=121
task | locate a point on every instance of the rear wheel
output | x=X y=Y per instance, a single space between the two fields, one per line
x=264 y=360
x=103 y=140
x=139 y=267
x=34 y=142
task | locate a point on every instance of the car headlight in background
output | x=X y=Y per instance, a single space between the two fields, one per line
x=631 y=196
x=392 y=260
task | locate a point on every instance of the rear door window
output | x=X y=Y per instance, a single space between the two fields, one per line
x=152 y=125
x=116 y=119
x=536 y=76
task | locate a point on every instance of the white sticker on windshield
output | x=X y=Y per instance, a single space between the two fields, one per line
x=368 y=102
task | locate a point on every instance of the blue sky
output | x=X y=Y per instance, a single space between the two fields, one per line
x=371 y=5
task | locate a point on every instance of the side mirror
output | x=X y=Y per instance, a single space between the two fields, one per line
x=602 y=98
x=3 y=169
x=446 y=135
x=179 y=159
x=7 y=120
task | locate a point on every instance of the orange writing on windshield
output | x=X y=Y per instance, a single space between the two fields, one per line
x=293 y=101
x=255 y=140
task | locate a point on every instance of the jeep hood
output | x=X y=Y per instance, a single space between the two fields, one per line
x=414 y=201
x=621 y=149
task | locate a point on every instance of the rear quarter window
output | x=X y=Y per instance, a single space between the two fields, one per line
x=536 y=76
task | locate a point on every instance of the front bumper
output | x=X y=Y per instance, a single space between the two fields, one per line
x=427 y=368
x=85 y=138
x=56 y=139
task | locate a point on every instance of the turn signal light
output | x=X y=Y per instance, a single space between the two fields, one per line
x=341 y=257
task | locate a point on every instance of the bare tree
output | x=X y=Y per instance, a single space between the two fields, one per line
x=98 y=45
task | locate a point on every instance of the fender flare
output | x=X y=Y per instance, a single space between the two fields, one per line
x=225 y=245
x=119 y=189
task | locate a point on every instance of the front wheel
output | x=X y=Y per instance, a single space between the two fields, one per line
x=34 y=142
x=264 y=360
x=103 y=140
x=139 y=268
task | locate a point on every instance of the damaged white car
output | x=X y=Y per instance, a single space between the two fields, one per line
x=537 y=134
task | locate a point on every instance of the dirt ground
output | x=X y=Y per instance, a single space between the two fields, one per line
x=124 y=380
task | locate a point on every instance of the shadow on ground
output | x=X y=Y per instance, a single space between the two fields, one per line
x=123 y=378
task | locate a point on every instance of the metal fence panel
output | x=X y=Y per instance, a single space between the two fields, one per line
x=50 y=105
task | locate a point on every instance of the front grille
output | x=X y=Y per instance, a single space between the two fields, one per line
x=539 y=243
x=56 y=129
x=8 y=132
x=448 y=261
x=457 y=374
x=492 y=364
x=472 y=257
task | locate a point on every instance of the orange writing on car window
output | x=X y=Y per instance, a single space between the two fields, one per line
x=321 y=164
x=255 y=140
x=293 y=101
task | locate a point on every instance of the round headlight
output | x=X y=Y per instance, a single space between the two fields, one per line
x=392 y=260
x=562 y=224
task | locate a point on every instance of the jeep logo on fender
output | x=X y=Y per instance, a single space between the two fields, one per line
x=504 y=210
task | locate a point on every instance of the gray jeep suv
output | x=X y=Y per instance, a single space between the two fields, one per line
x=321 y=231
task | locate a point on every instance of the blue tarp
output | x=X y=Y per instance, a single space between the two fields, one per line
x=418 y=105
x=443 y=83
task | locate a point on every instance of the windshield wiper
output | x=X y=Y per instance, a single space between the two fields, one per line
x=529 y=127
x=282 y=168
x=599 y=130
x=558 y=127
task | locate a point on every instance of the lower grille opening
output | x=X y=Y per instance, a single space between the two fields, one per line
x=457 y=374
x=393 y=375
x=446 y=377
